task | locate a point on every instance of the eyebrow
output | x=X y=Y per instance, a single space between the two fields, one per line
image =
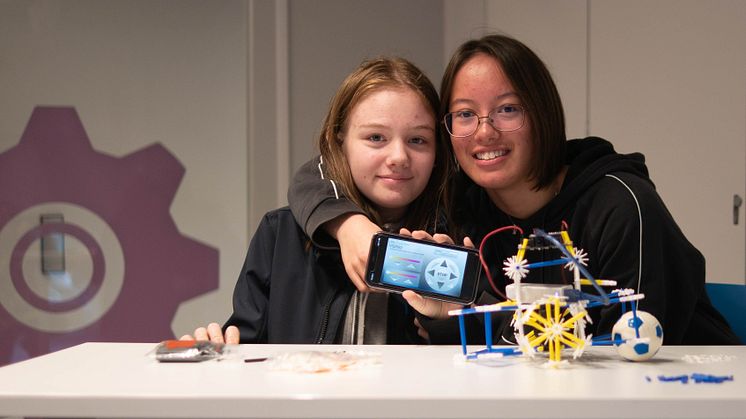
x=426 y=127
x=498 y=97
x=416 y=127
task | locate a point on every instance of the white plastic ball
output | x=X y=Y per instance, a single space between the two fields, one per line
x=632 y=346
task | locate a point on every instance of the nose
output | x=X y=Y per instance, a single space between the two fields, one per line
x=398 y=154
x=485 y=130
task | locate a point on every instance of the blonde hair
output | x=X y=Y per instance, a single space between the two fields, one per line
x=369 y=77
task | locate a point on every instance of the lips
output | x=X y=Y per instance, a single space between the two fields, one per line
x=395 y=178
x=490 y=155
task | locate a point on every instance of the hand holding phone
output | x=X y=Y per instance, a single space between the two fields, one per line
x=436 y=270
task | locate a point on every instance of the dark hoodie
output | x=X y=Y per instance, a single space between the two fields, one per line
x=612 y=212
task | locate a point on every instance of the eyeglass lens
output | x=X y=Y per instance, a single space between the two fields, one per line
x=465 y=122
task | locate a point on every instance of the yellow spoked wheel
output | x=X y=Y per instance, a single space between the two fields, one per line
x=550 y=326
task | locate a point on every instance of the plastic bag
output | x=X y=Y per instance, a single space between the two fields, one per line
x=188 y=350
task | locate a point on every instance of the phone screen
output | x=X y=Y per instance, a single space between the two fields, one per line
x=441 y=271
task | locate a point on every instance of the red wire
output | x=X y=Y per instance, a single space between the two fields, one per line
x=484 y=264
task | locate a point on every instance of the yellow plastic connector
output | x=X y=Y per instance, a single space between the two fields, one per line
x=521 y=250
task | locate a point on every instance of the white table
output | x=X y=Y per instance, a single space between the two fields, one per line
x=119 y=380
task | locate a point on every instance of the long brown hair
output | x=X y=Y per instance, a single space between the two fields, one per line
x=370 y=76
x=536 y=89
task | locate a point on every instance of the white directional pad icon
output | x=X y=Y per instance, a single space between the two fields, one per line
x=442 y=274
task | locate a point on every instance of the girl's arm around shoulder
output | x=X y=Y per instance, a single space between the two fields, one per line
x=316 y=200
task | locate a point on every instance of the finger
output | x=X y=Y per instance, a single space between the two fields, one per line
x=358 y=281
x=468 y=242
x=422 y=305
x=405 y=232
x=186 y=337
x=362 y=286
x=200 y=334
x=360 y=271
x=232 y=335
x=422 y=235
x=443 y=238
x=421 y=331
x=215 y=333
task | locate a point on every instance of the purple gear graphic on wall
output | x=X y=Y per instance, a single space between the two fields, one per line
x=127 y=268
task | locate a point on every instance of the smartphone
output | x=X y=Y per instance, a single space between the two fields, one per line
x=441 y=271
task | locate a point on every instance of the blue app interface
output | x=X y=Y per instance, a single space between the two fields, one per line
x=426 y=268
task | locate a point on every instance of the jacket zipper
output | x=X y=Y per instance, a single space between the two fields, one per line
x=325 y=320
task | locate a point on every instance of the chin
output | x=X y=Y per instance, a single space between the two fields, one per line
x=394 y=204
x=491 y=182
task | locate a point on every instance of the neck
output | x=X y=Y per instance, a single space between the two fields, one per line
x=522 y=202
x=391 y=216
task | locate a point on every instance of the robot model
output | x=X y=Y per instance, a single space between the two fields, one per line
x=552 y=318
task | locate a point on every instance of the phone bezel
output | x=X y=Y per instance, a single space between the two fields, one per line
x=376 y=257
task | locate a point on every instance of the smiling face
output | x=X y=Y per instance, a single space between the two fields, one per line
x=389 y=143
x=498 y=161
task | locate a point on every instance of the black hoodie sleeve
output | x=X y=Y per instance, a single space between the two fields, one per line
x=251 y=293
x=315 y=200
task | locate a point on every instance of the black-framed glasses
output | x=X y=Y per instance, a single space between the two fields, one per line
x=465 y=122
